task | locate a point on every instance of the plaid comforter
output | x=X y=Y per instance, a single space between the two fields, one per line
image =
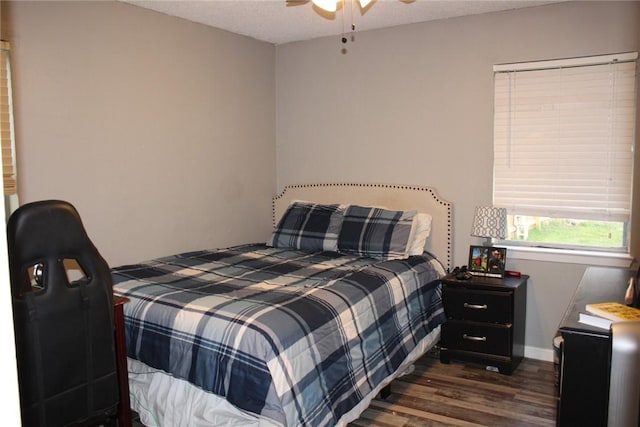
x=296 y=337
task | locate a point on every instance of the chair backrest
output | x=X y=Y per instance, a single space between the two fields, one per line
x=62 y=298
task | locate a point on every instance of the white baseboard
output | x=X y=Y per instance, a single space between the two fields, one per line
x=538 y=353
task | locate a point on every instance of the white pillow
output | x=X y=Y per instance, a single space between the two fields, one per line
x=420 y=233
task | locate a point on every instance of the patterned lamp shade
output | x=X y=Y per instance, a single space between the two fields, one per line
x=490 y=222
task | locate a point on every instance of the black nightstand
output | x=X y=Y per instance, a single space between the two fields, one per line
x=485 y=321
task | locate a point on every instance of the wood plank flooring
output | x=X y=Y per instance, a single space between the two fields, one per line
x=465 y=394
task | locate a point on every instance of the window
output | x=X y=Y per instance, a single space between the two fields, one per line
x=7 y=142
x=564 y=134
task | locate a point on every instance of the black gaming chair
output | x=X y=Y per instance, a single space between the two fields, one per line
x=63 y=324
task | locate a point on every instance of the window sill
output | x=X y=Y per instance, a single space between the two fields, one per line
x=601 y=259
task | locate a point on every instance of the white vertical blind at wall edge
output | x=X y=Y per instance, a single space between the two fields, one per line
x=564 y=137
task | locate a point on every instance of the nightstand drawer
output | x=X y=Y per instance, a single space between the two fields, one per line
x=479 y=306
x=479 y=338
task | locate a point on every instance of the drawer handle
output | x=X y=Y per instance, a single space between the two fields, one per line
x=472 y=338
x=475 y=306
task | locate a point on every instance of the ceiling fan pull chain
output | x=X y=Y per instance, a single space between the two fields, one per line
x=353 y=25
x=344 y=36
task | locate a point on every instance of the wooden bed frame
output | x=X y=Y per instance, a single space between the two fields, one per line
x=400 y=197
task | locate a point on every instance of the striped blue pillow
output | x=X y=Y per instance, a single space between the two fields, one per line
x=376 y=232
x=309 y=227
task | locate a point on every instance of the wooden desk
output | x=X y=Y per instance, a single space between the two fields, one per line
x=124 y=407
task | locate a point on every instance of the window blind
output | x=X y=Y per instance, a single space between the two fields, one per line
x=564 y=133
x=6 y=122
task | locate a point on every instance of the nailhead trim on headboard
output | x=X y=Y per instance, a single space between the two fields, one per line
x=429 y=190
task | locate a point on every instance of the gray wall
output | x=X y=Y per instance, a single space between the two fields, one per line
x=169 y=136
x=414 y=105
x=160 y=131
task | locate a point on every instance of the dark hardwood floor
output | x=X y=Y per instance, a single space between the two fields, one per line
x=464 y=394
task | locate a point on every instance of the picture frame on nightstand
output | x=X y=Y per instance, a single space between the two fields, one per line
x=488 y=261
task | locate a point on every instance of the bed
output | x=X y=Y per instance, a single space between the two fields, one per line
x=304 y=329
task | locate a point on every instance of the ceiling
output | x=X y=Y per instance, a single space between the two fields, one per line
x=282 y=21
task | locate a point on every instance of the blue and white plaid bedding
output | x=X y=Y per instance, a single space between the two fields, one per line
x=296 y=337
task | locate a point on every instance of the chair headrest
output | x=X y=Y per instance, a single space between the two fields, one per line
x=47 y=228
x=48 y=232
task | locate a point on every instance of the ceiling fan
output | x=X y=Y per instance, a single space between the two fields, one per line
x=328 y=8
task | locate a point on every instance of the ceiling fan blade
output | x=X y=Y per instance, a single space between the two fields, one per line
x=296 y=2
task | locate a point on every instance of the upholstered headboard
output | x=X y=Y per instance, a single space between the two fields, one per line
x=399 y=197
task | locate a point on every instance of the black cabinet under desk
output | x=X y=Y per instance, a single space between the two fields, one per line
x=585 y=350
